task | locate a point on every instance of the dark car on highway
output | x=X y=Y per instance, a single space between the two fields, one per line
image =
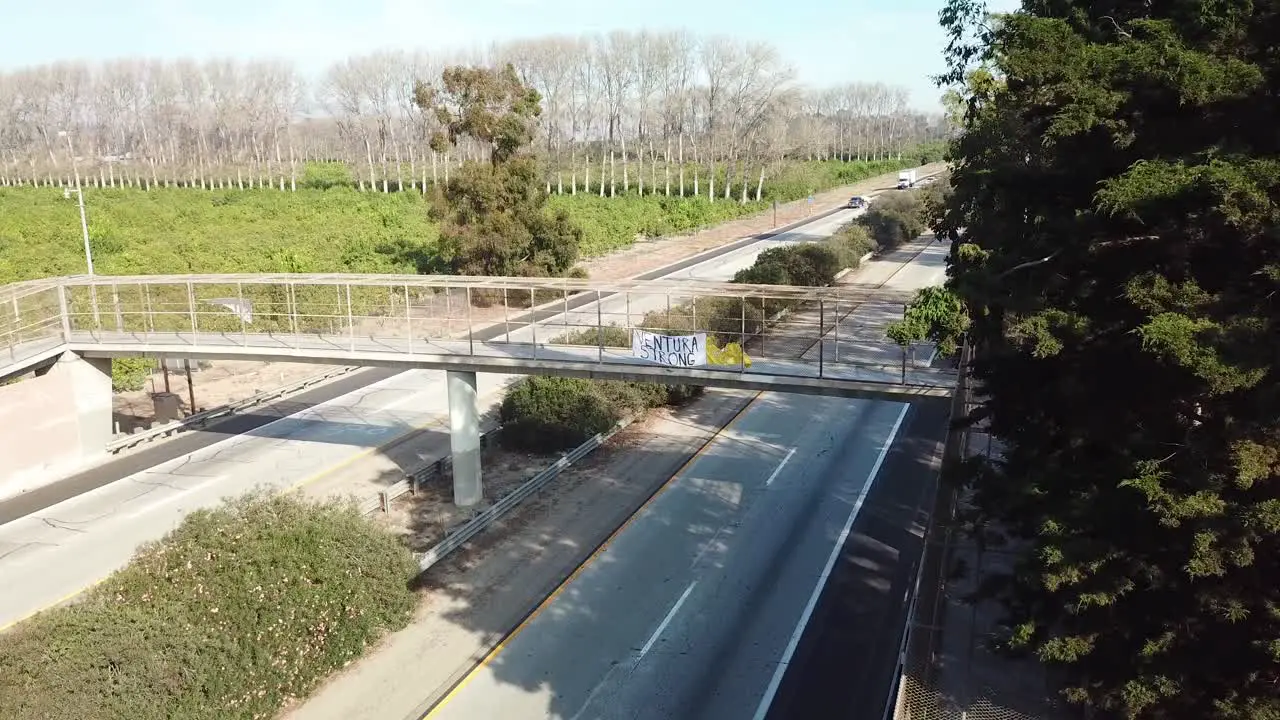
x=857 y=202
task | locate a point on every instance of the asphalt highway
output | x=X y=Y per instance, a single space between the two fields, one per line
x=710 y=602
x=696 y=608
x=845 y=663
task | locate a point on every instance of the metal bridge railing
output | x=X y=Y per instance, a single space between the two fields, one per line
x=838 y=330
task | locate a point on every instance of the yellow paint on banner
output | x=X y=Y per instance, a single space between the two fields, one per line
x=730 y=354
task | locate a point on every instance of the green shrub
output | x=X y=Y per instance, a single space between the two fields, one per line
x=547 y=414
x=850 y=244
x=551 y=413
x=771 y=272
x=322 y=175
x=613 y=336
x=806 y=264
x=895 y=218
x=178 y=230
x=681 y=394
x=633 y=397
x=231 y=615
x=928 y=152
x=636 y=397
x=130 y=374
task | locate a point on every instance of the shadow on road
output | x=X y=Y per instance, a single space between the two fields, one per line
x=493 y=581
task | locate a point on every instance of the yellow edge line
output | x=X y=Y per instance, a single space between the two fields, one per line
x=55 y=603
x=511 y=636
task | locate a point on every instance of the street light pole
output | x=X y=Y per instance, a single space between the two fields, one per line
x=84 y=221
x=84 y=230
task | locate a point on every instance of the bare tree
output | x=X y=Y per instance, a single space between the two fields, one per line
x=615 y=107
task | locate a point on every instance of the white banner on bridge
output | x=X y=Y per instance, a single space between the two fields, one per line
x=670 y=350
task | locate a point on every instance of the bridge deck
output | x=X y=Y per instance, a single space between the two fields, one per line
x=830 y=377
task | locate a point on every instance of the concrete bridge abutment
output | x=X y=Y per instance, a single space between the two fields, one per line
x=55 y=422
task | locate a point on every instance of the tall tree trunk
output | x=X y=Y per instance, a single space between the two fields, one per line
x=730 y=165
x=666 y=166
x=413 y=168
x=626 y=181
x=368 y=153
x=653 y=170
x=680 y=163
x=395 y=144
x=711 y=176
x=293 y=164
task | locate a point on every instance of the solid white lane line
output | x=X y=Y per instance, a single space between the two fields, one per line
x=763 y=708
x=667 y=620
x=778 y=469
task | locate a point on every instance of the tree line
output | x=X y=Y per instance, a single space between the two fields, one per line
x=626 y=111
x=1113 y=219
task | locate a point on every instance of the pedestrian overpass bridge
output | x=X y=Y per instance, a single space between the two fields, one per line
x=812 y=340
x=577 y=328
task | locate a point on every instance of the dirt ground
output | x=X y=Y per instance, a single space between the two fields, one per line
x=423 y=519
x=222 y=382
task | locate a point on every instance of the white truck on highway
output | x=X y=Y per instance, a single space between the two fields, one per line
x=906 y=179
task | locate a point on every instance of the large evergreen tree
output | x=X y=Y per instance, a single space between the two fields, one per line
x=1114 y=237
x=493 y=215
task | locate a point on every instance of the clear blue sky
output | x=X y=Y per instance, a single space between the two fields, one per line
x=829 y=41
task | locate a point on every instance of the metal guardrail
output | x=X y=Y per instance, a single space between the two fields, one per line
x=440 y=468
x=199 y=420
x=457 y=537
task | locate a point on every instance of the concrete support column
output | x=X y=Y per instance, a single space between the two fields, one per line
x=464 y=438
